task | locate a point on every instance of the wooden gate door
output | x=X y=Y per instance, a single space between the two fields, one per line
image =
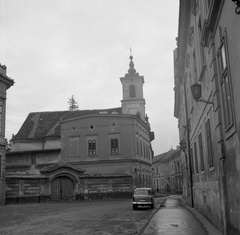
x=66 y=188
x=62 y=188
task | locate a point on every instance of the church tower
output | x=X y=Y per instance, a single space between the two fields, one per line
x=132 y=88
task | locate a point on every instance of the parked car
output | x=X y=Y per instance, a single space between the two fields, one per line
x=143 y=197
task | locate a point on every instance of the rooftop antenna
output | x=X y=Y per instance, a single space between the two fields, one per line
x=130 y=51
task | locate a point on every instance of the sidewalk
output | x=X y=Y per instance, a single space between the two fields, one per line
x=211 y=229
x=174 y=217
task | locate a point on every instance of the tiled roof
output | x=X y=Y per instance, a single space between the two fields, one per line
x=164 y=156
x=40 y=125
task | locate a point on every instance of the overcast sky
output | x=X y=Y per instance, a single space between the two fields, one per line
x=57 y=48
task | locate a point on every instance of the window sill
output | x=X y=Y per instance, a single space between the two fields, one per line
x=92 y=155
x=114 y=153
x=211 y=168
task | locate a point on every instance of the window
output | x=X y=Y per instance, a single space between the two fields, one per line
x=191 y=157
x=137 y=147
x=1 y=119
x=201 y=151
x=33 y=158
x=114 y=146
x=209 y=143
x=196 y=157
x=1 y=166
x=144 y=150
x=225 y=86
x=92 y=147
x=141 y=148
x=195 y=66
x=74 y=143
x=202 y=56
x=132 y=92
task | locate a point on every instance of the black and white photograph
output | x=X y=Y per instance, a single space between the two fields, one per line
x=119 y=117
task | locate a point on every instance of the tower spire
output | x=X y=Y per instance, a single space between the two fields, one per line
x=131 y=69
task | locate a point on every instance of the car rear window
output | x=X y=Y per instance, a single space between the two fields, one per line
x=143 y=192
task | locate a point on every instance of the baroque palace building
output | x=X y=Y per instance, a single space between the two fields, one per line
x=83 y=154
x=207 y=105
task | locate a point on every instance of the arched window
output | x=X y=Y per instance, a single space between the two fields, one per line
x=132 y=92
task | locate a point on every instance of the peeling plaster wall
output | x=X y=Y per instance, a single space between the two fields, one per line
x=207 y=200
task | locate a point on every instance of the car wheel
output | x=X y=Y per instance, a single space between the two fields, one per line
x=134 y=207
x=152 y=206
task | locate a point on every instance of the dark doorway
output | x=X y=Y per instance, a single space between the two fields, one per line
x=62 y=188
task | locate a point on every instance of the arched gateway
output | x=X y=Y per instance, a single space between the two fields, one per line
x=63 y=180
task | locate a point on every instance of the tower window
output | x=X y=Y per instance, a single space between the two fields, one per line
x=132 y=91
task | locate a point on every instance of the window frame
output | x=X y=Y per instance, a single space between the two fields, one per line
x=137 y=147
x=1 y=166
x=1 y=119
x=191 y=163
x=92 y=147
x=226 y=87
x=209 y=142
x=201 y=48
x=196 y=157
x=132 y=91
x=200 y=144
x=114 y=147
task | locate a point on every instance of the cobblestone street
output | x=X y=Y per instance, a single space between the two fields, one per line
x=112 y=217
x=94 y=217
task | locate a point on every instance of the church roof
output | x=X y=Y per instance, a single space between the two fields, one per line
x=39 y=125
